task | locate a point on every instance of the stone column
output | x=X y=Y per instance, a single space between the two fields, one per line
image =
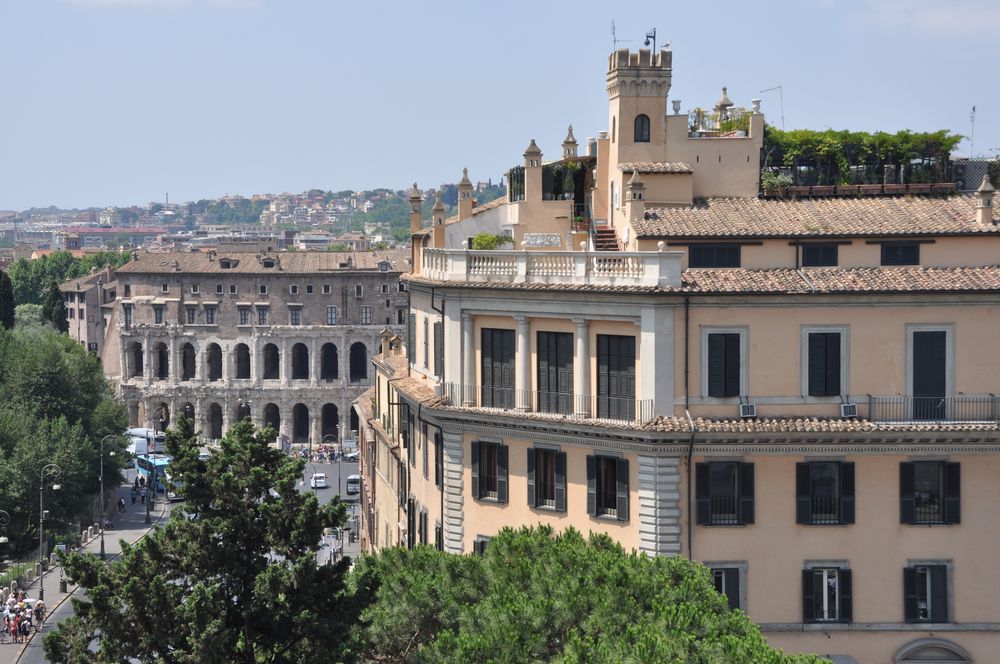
x=316 y=425
x=522 y=364
x=125 y=362
x=199 y=416
x=174 y=353
x=147 y=358
x=468 y=387
x=313 y=362
x=581 y=369
x=285 y=413
x=285 y=364
x=228 y=359
x=227 y=415
x=454 y=494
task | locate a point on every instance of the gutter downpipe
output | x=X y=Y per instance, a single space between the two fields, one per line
x=690 y=526
x=421 y=419
x=687 y=325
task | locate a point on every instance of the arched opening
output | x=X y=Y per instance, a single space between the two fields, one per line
x=161 y=416
x=331 y=420
x=188 y=410
x=354 y=422
x=300 y=423
x=242 y=410
x=162 y=359
x=300 y=362
x=272 y=362
x=328 y=370
x=187 y=362
x=214 y=358
x=359 y=362
x=931 y=651
x=215 y=421
x=242 y=361
x=642 y=129
x=134 y=359
x=272 y=417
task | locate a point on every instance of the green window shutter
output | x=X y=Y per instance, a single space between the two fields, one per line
x=532 y=498
x=475 y=469
x=621 y=486
x=703 y=498
x=939 y=593
x=846 y=597
x=910 y=610
x=907 y=499
x=953 y=493
x=561 y=481
x=808 y=597
x=847 y=492
x=439 y=349
x=746 y=493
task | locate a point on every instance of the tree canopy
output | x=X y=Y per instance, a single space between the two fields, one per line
x=7 y=304
x=54 y=308
x=30 y=278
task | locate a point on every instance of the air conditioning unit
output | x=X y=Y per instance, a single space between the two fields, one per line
x=748 y=410
x=848 y=410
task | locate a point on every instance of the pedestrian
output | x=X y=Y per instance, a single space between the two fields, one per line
x=135 y=493
x=142 y=481
x=121 y=506
x=142 y=497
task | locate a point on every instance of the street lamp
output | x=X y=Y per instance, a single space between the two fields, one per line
x=151 y=484
x=102 y=501
x=340 y=456
x=54 y=471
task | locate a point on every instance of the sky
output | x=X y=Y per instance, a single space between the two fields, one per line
x=121 y=102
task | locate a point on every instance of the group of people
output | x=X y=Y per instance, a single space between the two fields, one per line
x=20 y=616
x=138 y=491
x=321 y=454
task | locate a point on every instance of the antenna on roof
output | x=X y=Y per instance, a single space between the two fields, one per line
x=614 y=39
x=781 y=97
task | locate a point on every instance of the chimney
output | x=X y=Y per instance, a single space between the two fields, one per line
x=635 y=198
x=415 y=199
x=984 y=202
x=465 y=201
x=532 y=172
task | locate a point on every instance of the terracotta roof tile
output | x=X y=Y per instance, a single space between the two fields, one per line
x=655 y=167
x=808 y=425
x=837 y=216
x=292 y=262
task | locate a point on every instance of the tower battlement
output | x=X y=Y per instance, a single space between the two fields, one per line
x=639 y=74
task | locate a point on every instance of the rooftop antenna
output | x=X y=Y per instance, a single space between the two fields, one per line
x=972 y=138
x=614 y=38
x=651 y=35
x=781 y=97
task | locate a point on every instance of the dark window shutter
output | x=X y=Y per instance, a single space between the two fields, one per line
x=732 y=365
x=532 y=498
x=847 y=492
x=808 y=597
x=832 y=364
x=803 y=503
x=907 y=501
x=438 y=460
x=411 y=337
x=561 y=481
x=621 y=468
x=846 y=597
x=411 y=523
x=952 y=493
x=732 y=575
x=565 y=373
x=502 y=473
x=486 y=368
x=592 y=485
x=817 y=365
x=439 y=349
x=475 y=469
x=910 y=594
x=602 y=374
x=716 y=365
x=939 y=593
x=544 y=355
x=703 y=502
x=746 y=493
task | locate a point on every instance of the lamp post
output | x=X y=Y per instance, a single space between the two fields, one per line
x=151 y=484
x=54 y=471
x=102 y=501
x=4 y=521
x=339 y=457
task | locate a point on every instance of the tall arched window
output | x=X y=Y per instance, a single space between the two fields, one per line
x=642 y=129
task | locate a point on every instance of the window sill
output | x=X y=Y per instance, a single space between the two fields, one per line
x=489 y=501
x=930 y=524
x=551 y=509
x=724 y=525
x=608 y=517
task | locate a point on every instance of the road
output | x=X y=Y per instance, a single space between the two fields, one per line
x=326 y=495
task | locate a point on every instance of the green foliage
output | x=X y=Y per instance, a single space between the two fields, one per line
x=770 y=180
x=28 y=315
x=231 y=577
x=338 y=246
x=54 y=308
x=994 y=172
x=31 y=278
x=539 y=597
x=7 y=303
x=239 y=211
x=482 y=241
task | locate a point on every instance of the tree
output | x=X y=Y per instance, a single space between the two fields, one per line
x=28 y=315
x=54 y=308
x=231 y=577
x=6 y=302
x=538 y=597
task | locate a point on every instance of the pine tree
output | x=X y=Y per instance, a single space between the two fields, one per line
x=54 y=308
x=6 y=302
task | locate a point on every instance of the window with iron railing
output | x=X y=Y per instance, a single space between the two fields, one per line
x=824 y=493
x=724 y=493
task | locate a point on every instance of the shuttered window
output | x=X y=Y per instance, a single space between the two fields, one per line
x=438 y=460
x=547 y=479
x=824 y=364
x=724 y=493
x=827 y=595
x=724 y=364
x=497 y=368
x=930 y=492
x=925 y=593
x=411 y=338
x=607 y=487
x=615 y=377
x=489 y=471
x=714 y=255
x=439 y=349
x=824 y=493
x=902 y=253
x=555 y=372
x=427 y=343
x=819 y=255
x=727 y=582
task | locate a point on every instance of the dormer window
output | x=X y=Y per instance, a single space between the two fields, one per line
x=383 y=266
x=642 y=129
x=194 y=289
x=227 y=264
x=262 y=289
x=268 y=262
x=164 y=288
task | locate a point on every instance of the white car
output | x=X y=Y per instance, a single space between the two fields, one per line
x=352 y=456
x=318 y=481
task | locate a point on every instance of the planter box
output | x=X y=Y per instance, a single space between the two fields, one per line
x=894 y=188
x=798 y=191
x=870 y=189
x=944 y=187
x=822 y=190
x=847 y=190
x=919 y=188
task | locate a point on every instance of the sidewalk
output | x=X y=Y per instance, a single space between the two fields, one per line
x=130 y=526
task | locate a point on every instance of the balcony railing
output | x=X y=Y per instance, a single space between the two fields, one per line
x=638 y=268
x=824 y=510
x=613 y=409
x=969 y=409
x=724 y=511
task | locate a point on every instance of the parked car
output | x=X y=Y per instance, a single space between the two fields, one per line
x=353 y=485
x=318 y=481
x=352 y=456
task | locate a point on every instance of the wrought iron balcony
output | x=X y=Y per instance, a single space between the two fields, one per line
x=968 y=409
x=558 y=405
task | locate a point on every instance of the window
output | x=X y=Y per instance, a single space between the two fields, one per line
x=925 y=593
x=366 y=315
x=385 y=289
x=127 y=311
x=427 y=343
x=547 y=479
x=331 y=315
x=616 y=377
x=824 y=493
x=497 y=368
x=422 y=526
x=232 y=289
x=359 y=291
x=402 y=287
x=387 y=304
x=425 y=453
x=71 y=313
x=438 y=460
x=727 y=583
x=411 y=338
x=92 y=347
x=714 y=255
x=295 y=316
x=262 y=315
x=219 y=290
x=210 y=315
x=438 y=536
x=826 y=595
x=268 y=262
x=293 y=289
x=400 y=316
x=164 y=288
x=930 y=492
x=194 y=289
x=724 y=493
x=326 y=289
x=823 y=374
x=819 y=255
x=489 y=471
x=192 y=314
x=309 y=289
x=262 y=289
x=901 y=253
x=439 y=349
x=479 y=546
x=724 y=365
x=607 y=487
x=642 y=129
x=157 y=314
x=554 y=354
x=244 y=315
x=128 y=290
x=225 y=263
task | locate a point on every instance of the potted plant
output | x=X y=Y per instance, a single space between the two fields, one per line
x=774 y=184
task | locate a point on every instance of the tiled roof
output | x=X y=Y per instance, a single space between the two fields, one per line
x=495 y=203
x=292 y=262
x=836 y=216
x=807 y=425
x=655 y=167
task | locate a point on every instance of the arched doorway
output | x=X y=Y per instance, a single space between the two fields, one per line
x=187 y=362
x=359 y=362
x=300 y=423
x=242 y=353
x=214 y=358
x=161 y=416
x=354 y=421
x=331 y=420
x=272 y=362
x=162 y=359
x=135 y=359
x=328 y=370
x=215 y=421
x=300 y=362
x=188 y=410
x=272 y=417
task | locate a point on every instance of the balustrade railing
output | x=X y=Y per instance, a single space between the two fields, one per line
x=609 y=408
x=964 y=408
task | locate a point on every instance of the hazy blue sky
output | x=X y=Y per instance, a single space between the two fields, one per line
x=115 y=102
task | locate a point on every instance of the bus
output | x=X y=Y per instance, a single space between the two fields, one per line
x=145 y=441
x=146 y=465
